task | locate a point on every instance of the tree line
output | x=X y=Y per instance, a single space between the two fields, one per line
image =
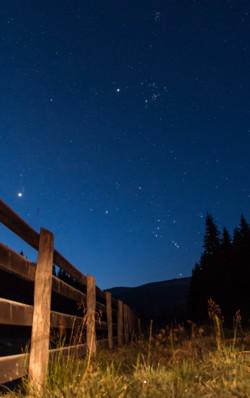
x=223 y=273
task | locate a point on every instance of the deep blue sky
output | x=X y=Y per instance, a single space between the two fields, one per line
x=121 y=125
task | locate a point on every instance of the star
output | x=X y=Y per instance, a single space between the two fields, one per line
x=106 y=212
x=20 y=194
x=118 y=90
x=175 y=244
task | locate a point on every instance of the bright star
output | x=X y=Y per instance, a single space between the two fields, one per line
x=118 y=90
x=20 y=194
x=175 y=244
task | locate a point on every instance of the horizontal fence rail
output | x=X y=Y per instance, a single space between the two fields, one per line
x=96 y=313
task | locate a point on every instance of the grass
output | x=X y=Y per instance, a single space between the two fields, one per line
x=170 y=364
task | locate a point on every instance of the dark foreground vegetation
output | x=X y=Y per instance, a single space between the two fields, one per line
x=190 y=362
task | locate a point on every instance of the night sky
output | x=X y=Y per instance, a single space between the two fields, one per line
x=121 y=125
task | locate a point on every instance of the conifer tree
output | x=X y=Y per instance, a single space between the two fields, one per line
x=226 y=275
x=211 y=238
x=241 y=276
x=226 y=242
x=223 y=272
x=205 y=276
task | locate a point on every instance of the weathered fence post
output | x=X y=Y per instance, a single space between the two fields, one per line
x=109 y=319
x=39 y=352
x=91 y=310
x=120 y=323
x=125 y=316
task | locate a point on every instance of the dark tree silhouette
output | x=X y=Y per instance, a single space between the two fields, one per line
x=224 y=297
x=241 y=252
x=206 y=274
x=211 y=238
x=223 y=272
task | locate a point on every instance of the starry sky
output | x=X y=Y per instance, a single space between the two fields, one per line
x=121 y=125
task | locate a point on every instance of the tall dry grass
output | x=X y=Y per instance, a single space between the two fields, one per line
x=176 y=362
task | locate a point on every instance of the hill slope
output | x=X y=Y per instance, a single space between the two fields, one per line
x=161 y=301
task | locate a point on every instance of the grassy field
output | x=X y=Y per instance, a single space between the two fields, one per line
x=174 y=363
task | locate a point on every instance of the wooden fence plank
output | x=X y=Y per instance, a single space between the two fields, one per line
x=17 y=225
x=15 y=263
x=76 y=350
x=15 y=313
x=65 y=321
x=109 y=319
x=69 y=268
x=19 y=314
x=12 y=262
x=68 y=291
x=39 y=352
x=120 y=323
x=91 y=310
x=13 y=367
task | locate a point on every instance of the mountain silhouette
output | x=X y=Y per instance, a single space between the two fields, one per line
x=163 y=301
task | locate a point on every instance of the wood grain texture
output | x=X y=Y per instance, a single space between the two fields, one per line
x=17 y=264
x=13 y=367
x=15 y=313
x=39 y=352
x=91 y=313
x=19 y=314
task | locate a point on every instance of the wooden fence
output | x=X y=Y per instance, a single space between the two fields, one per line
x=100 y=311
